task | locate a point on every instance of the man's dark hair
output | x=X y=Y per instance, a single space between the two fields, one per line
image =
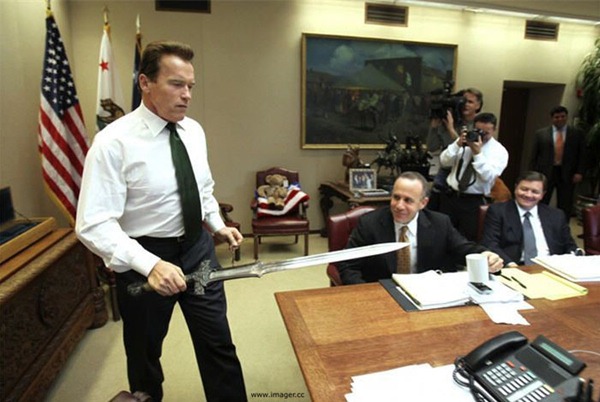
x=558 y=109
x=478 y=94
x=150 y=62
x=532 y=175
x=410 y=175
x=486 y=118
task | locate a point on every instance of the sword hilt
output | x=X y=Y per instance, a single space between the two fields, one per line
x=197 y=280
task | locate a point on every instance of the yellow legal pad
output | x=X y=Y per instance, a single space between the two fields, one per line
x=542 y=285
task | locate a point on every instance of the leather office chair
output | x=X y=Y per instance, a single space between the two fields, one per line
x=293 y=223
x=481 y=221
x=339 y=228
x=591 y=230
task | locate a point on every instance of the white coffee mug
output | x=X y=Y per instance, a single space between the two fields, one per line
x=477 y=266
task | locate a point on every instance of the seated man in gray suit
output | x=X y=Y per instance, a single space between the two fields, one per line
x=434 y=242
x=506 y=226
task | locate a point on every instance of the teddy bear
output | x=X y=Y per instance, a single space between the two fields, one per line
x=274 y=191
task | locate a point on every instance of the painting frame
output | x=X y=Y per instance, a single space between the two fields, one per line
x=197 y=6
x=340 y=73
x=362 y=179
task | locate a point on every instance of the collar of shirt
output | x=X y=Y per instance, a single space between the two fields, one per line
x=157 y=124
x=412 y=227
x=533 y=211
x=555 y=130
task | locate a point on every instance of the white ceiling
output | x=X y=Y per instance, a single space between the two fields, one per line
x=588 y=10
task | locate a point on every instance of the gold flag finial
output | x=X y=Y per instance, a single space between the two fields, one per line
x=48 y=8
x=105 y=12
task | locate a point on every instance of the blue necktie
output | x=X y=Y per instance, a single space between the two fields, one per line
x=187 y=186
x=529 y=249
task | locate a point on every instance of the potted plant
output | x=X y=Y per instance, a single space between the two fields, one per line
x=588 y=90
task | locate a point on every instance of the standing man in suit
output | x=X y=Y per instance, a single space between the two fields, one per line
x=145 y=222
x=558 y=152
x=505 y=230
x=434 y=242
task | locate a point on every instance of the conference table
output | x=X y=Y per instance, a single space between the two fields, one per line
x=340 y=332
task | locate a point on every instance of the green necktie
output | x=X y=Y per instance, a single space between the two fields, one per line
x=186 y=183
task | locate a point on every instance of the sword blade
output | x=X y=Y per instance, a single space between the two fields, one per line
x=259 y=268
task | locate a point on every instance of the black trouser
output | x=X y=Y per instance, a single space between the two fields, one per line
x=146 y=320
x=463 y=210
x=564 y=191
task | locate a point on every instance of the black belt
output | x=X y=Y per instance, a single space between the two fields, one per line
x=163 y=240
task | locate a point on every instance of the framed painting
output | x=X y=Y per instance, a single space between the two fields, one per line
x=364 y=91
x=362 y=179
x=198 y=6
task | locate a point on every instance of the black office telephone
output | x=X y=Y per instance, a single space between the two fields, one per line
x=508 y=369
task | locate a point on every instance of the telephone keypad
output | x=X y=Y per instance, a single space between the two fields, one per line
x=516 y=384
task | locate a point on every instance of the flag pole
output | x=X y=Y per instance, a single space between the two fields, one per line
x=106 y=23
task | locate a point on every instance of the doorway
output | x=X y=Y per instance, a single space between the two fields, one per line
x=525 y=108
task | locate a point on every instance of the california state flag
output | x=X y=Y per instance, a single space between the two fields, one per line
x=110 y=96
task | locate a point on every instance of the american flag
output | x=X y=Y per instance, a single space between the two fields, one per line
x=62 y=139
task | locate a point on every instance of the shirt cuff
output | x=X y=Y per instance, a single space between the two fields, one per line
x=144 y=263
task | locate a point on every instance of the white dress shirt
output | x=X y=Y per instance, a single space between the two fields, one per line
x=536 y=224
x=412 y=238
x=129 y=189
x=488 y=165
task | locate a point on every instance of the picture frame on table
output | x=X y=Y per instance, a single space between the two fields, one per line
x=362 y=180
x=364 y=90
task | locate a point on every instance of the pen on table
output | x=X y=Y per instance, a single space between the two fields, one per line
x=508 y=278
x=518 y=281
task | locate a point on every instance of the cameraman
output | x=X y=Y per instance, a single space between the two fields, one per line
x=443 y=131
x=476 y=159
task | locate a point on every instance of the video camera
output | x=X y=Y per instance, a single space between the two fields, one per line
x=444 y=100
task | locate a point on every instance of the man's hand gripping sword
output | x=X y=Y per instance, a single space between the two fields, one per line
x=204 y=275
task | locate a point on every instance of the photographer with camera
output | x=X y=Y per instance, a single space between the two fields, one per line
x=476 y=159
x=449 y=115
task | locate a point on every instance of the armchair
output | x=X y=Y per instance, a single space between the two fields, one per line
x=339 y=228
x=591 y=230
x=294 y=222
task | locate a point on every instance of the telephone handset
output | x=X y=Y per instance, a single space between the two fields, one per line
x=508 y=369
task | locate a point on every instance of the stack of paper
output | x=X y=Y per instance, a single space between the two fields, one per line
x=432 y=289
x=410 y=383
x=543 y=285
x=583 y=268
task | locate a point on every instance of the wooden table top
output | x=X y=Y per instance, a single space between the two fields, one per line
x=350 y=330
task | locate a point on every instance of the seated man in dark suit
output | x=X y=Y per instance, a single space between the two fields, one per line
x=434 y=242
x=506 y=227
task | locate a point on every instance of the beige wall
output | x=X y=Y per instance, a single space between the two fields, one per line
x=248 y=77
